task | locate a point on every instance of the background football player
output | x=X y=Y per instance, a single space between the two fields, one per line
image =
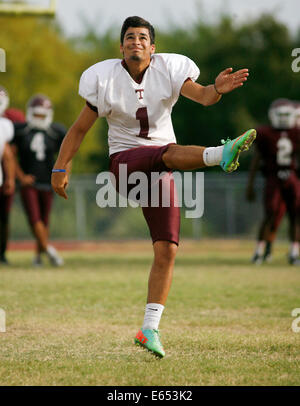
x=297 y=114
x=276 y=152
x=15 y=115
x=7 y=173
x=35 y=144
x=270 y=234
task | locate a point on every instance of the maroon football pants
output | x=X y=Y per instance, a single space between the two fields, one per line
x=163 y=222
x=280 y=196
x=37 y=204
x=5 y=206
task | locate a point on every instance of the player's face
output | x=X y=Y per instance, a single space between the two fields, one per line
x=283 y=117
x=137 y=45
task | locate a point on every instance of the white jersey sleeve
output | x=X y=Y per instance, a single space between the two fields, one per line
x=6 y=129
x=180 y=68
x=94 y=82
x=88 y=86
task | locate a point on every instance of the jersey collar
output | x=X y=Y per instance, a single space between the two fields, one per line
x=141 y=76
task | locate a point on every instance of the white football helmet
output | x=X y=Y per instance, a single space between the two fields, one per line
x=282 y=114
x=297 y=114
x=4 y=100
x=39 y=113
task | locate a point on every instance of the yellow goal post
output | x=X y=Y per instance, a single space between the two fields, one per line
x=28 y=8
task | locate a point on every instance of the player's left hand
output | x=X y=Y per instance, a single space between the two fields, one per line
x=227 y=80
x=59 y=182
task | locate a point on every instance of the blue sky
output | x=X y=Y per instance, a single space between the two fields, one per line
x=163 y=13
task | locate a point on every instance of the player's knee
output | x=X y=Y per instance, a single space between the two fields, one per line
x=168 y=156
x=166 y=159
x=166 y=253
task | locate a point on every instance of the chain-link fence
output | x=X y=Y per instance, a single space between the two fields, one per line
x=226 y=213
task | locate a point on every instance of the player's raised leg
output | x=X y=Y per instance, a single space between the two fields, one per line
x=191 y=157
x=37 y=211
x=293 y=204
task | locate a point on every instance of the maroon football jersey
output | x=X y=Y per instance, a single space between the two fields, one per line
x=278 y=150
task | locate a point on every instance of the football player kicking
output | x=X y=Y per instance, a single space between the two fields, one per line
x=7 y=173
x=136 y=96
x=277 y=149
x=35 y=144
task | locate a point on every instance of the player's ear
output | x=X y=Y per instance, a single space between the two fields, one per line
x=121 y=49
x=152 y=49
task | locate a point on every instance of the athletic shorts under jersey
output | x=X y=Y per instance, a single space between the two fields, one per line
x=37 y=150
x=37 y=204
x=138 y=114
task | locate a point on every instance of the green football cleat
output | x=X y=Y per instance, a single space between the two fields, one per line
x=233 y=148
x=150 y=339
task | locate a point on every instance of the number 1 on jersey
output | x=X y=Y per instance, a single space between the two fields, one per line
x=142 y=116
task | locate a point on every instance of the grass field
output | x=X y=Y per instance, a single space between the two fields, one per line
x=226 y=322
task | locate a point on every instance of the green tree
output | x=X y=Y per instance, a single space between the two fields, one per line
x=41 y=60
x=263 y=45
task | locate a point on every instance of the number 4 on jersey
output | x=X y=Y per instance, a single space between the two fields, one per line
x=37 y=145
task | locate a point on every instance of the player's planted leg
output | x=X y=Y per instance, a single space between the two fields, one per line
x=268 y=251
x=54 y=257
x=41 y=233
x=158 y=288
x=4 y=233
x=293 y=257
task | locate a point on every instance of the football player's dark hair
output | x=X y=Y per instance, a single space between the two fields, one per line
x=136 y=21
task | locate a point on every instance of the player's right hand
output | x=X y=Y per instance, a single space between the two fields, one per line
x=59 y=182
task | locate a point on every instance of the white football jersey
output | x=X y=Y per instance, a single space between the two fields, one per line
x=137 y=113
x=6 y=135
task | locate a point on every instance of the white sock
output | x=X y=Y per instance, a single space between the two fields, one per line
x=152 y=317
x=294 y=252
x=260 y=247
x=51 y=251
x=213 y=155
